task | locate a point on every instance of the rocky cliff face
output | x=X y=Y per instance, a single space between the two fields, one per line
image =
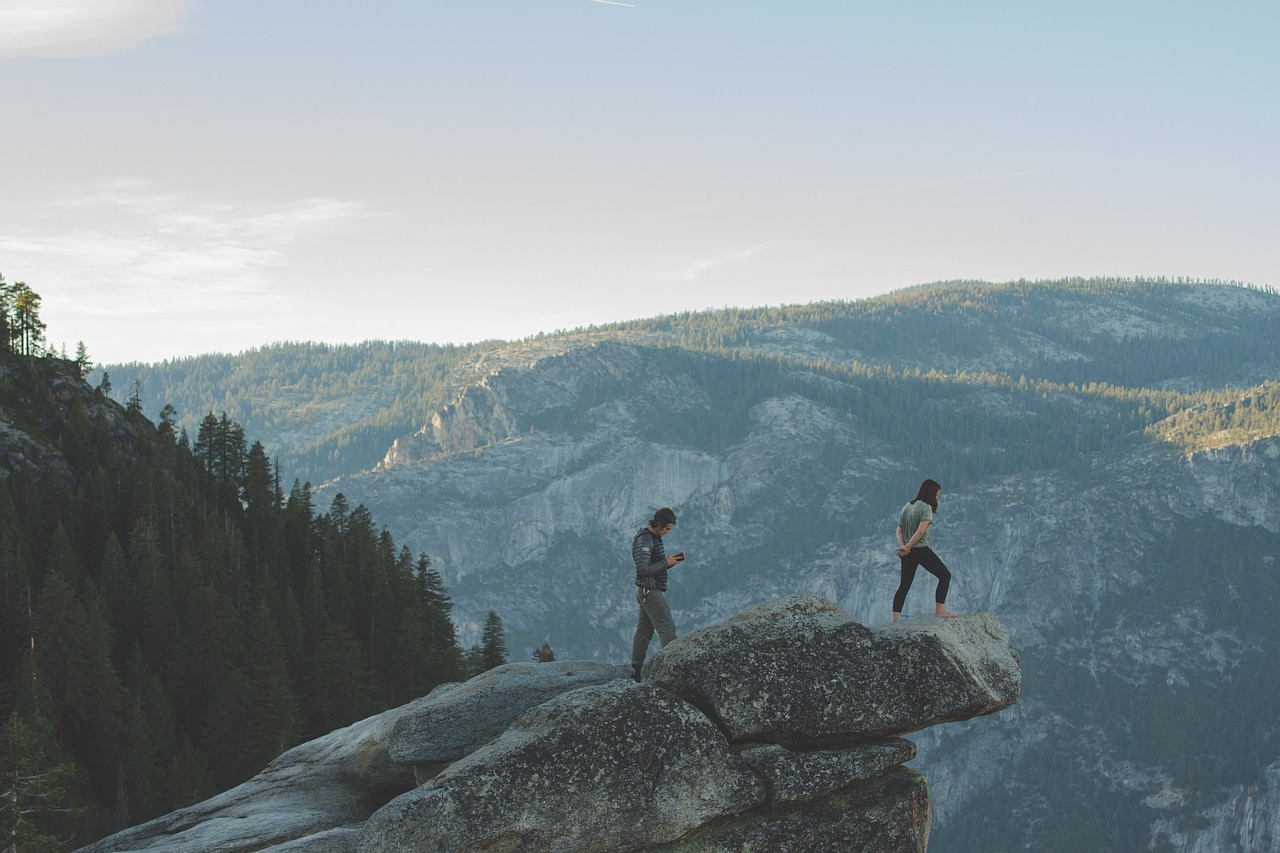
x=794 y=746
x=59 y=409
x=527 y=491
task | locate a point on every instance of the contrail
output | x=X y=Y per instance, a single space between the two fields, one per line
x=615 y=3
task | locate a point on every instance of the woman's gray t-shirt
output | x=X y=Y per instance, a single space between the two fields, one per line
x=909 y=519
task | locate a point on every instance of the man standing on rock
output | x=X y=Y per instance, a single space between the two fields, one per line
x=652 y=563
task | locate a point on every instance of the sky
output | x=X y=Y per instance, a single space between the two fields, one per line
x=182 y=177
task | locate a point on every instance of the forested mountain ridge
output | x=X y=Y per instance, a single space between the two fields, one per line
x=326 y=410
x=170 y=618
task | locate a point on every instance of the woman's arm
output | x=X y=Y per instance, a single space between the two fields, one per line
x=915 y=537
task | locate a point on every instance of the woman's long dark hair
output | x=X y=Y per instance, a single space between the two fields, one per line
x=928 y=492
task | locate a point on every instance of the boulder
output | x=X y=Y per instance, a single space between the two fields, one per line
x=798 y=671
x=769 y=731
x=615 y=767
x=310 y=798
x=792 y=777
x=886 y=814
x=457 y=719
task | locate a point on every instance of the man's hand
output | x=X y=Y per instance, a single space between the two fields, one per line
x=677 y=557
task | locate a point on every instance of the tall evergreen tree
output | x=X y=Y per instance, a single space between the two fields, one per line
x=35 y=816
x=272 y=721
x=446 y=660
x=84 y=365
x=6 y=322
x=28 y=328
x=493 y=642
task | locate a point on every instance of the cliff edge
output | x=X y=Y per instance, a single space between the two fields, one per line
x=778 y=728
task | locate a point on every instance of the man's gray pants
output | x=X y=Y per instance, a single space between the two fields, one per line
x=655 y=615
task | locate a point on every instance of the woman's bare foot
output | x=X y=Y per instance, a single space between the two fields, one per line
x=895 y=616
x=942 y=613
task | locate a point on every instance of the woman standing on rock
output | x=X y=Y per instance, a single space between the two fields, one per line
x=914 y=549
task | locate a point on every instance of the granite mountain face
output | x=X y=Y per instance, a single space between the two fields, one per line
x=1110 y=463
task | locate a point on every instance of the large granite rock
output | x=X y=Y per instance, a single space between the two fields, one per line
x=799 y=671
x=457 y=719
x=609 y=768
x=310 y=799
x=765 y=732
x=886 y=814
x=792 y=777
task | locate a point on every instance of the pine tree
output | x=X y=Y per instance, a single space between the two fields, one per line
x=28 y=328
x=61 y=655
x=494 y=644
x=439 y=612
x=33 y=799
x=84 y=365
x=272 y=721
x=337 y=691
x=6 y=323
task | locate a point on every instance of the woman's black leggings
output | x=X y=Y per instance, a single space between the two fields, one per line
x=933 y=564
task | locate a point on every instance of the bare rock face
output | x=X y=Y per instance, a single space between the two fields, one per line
x=793 y=777
x=765 y=732
x=312 y=798
x=455 y=720
x=886 y=814
x=615 y=767
x=798 y=671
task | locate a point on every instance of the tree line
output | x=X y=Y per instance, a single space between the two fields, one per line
x=351 y=402
x=375 y=392
x=174 y=618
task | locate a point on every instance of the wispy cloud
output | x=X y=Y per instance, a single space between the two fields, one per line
x=67 y=28
x=165 y=257
x=695 y=269
x=615 y=3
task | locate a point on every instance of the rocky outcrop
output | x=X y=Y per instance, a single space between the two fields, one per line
x=510 y=399
x=751 y=675
x=762 y=732
x=321 y=791
x=455 y=720
x=888 y=814
x=617 y=767
x=52 y=404
x=784 y=750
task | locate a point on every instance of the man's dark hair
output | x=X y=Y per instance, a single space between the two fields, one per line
x=663 y=517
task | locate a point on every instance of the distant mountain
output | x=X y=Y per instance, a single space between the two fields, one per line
x=326 y=410
x=322 y=410
x=1109 y=452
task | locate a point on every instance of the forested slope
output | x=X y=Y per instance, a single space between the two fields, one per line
x=173 y=618
x=327 y=409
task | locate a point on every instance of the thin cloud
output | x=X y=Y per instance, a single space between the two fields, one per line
x=614 y=3
x=76 y=28
x=166 y=259
x=697 y=268
x=207 y=221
